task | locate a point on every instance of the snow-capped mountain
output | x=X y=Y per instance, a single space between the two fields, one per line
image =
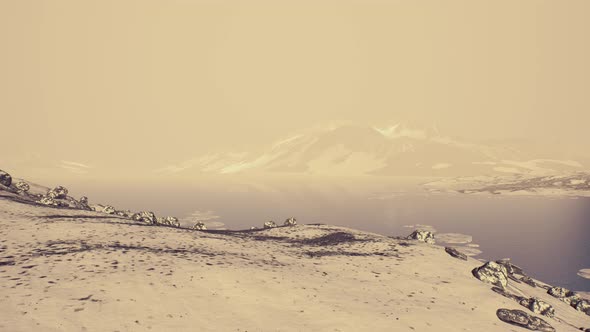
x=388 y=151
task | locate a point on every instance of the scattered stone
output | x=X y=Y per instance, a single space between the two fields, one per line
x=22 y=186
x=492 y=273
x=270 y=224
x=5 y=179
x=253 y=228
x=136 y=217
x=126 y=213
x=455 y=253
x=420 y=235
x=58 y=192
x=46 y=200
x=200 y=226
x=522 y=319
x=108 y=209
x=290 y=222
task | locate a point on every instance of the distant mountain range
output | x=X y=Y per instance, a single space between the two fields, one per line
x=389 y=151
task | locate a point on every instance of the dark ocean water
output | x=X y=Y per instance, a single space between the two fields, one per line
x=548 y=237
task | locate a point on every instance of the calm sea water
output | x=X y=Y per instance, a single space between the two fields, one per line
x=548 y=237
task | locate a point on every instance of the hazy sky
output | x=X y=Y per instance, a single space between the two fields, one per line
x=145 y=82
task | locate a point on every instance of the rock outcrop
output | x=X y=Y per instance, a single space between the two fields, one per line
x=22 y=187
x=171 y=221
x=290 y=222
x=270 y=224
x=420 y=235
x=58 y=192
x=492 y=273
x=455 y=253
x=148 y=217
x=200 y=226
x=5 y=179
x=522 y=319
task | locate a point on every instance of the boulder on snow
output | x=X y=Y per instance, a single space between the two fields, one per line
x=171 y=221
x=108 y=209
x=200 y=226
x=492 y=273
x=522 y=319
x=148 y=217
x=58 y=192
x=455 y=253
x=5 y=179
x=290 y=222
x=538 y=306
x=270 y=224
x=420 y=235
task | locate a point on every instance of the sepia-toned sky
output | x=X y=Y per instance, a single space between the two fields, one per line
x=127 y=84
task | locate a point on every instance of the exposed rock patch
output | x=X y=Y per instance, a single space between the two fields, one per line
x=331 y=239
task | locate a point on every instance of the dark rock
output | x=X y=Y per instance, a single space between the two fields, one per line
x=522 y=319
x=5 y=179
x=455 y=253
x=420 y=235
x=492 y=273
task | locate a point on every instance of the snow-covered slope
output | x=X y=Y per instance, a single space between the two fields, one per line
x=73 y=270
